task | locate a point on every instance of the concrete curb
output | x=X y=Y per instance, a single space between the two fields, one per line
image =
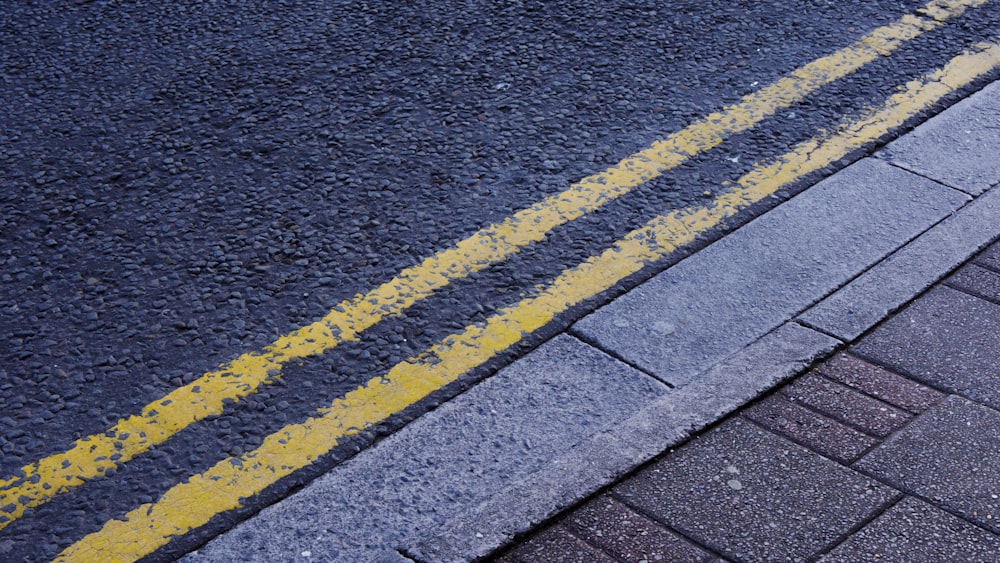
x=890 y=284
x=608 y=455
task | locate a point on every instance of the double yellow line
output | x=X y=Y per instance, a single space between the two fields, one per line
x=191 y=504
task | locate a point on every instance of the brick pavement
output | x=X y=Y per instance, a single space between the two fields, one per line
x=888 y=451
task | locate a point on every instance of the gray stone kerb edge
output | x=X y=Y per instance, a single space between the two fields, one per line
x=662 y=424
x=684 y=411
x=847 y=313
x=890 y=284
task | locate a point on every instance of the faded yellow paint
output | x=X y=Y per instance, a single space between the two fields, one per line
x=206 y=397
x=191 y=504
x=942 y=10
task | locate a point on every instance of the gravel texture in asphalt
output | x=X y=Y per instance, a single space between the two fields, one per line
x=184 y=182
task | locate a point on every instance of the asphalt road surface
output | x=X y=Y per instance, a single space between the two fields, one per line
x=184 y=183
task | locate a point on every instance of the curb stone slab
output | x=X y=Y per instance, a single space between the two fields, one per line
x=958 y=148
x=407 y=486
x=768 y=271
x=610 y=454
x=864 y=302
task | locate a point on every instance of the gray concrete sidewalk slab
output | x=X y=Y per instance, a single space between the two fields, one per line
x=958 y=148
x=686 y=319
x=407 y=486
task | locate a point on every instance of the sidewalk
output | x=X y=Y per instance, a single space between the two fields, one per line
x=855 y=449
x=886 y=452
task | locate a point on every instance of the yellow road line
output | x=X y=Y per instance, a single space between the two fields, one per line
x=94 y=455
x=191 y=504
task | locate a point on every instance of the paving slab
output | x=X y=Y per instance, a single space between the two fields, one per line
x=889 y=285
x=990 y=258
x=978 y=281
x=751 y=495
x=815 y=431
x=406 y=486
x=880 y=383
x=913 y=530
x=949 y=456
x=847 y=405
x=761 y=275
x=959 y=147
x=947 y=339
x=630 y=536
x=557 y=545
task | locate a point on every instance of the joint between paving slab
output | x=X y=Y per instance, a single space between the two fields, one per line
x=900 y=486
x=646 y=514
x=903 y=372
x=860 y=525
x=793 y=439
x=899 y=370
x=969 y=292
x=607 y=351
x=806 y=324
x=904 y=168
x=907 y=492
x=868 y=431
x=986 y=265
x=409 y=557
